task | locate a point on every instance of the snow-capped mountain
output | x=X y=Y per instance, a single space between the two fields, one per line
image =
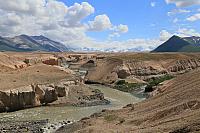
x=31 y=43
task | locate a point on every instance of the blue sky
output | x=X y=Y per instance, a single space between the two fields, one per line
x=143 y=20
x=105 y=25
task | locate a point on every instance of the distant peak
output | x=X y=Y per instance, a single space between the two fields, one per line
x=175 y=36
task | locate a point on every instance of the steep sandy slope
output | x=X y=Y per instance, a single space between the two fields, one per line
x=104 y=72
x=176 y=110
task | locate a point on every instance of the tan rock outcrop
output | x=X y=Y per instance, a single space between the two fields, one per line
x=25 y=97
x=123 y=72
x=46 y=94
x=61 y=90
x=19 y=98
x=51 y=61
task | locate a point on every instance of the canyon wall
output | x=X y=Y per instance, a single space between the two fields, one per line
x=63 y=92
x=109 y=70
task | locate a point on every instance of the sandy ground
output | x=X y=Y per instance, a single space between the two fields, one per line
x=37 y=74
x=14 y=72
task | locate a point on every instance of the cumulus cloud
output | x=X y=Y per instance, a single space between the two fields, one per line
x=184 y=3
x=78 y=12
x=53 y=19
x=118 y=30
x=100 y=23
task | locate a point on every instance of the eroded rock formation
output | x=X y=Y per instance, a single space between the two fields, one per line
x=37 y=95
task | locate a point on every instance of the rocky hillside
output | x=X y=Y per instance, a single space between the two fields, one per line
x=178 y=44
x=31 y=43
x=141 y=66
x=176 y=109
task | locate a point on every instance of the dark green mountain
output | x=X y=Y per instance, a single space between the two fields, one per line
x=178 y=44
x=31 y=43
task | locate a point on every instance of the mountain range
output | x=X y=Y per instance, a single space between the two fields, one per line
x=31 y=43
x=180 y=44
x=24 y=43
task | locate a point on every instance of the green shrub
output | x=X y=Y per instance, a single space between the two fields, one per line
x=120 y=82
x=124 y=86
x=156 y=81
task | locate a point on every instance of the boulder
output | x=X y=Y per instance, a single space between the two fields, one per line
x=46 y=93
x=61 y=90
x=39 y=93
x=123 y=72
x=50 y=95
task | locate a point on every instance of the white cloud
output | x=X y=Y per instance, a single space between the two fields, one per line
x=23 y=6
x=178 y=11
x=187 y=32
x=121 y=28
x=100 y=23
x=193 y=18
x=130 y=44
x=165 y=35
x=184 y=3
x=78 y=12
x=57 y=21
x=183 y=32
x=153 y=4
x=118 y=30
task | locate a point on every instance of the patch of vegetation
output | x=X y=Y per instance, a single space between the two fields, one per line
x=110 y=118
x=124 y=86
x=156 y=81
